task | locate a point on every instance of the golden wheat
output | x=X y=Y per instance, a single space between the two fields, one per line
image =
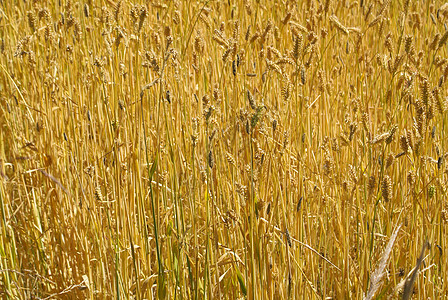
x=223 y=149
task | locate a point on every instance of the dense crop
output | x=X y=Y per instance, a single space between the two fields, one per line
x=223 y=149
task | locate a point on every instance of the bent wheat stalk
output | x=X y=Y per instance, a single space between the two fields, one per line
x=377 y=276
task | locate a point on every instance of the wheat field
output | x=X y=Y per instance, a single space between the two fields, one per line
x=223 y=149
